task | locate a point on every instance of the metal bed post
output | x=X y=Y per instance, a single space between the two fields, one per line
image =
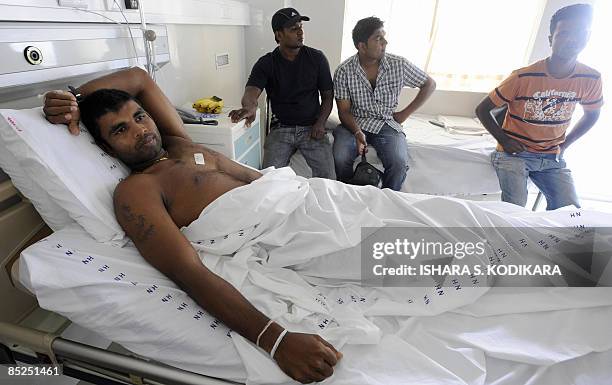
x=537 y=201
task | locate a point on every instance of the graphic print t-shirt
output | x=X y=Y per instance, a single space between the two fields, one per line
x=540 y=107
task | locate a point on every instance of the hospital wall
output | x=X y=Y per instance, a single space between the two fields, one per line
x=541 y=47
x=192 y=73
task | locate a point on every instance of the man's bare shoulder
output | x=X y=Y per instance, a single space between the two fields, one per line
x=137 y=187
x=138 y=203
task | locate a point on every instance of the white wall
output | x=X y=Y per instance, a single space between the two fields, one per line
x=541 y=46
x=223 y=12
x=259 y=38
x=324 y=30
x=191 y=73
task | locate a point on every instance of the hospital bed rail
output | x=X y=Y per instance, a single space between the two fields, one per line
x=19 y=344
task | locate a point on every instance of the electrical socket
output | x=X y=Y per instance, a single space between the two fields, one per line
x=222 y=60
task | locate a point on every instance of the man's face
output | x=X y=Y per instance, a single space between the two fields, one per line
x=130 y=134
x=291 y=37
x=569 y=38
x=376 y=45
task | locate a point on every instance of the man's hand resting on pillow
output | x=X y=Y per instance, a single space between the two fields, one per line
x=61 y=107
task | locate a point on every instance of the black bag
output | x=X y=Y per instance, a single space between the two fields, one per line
x=366 y=174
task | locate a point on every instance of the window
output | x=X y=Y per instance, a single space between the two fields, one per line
x=584 y=157
x=464 y=45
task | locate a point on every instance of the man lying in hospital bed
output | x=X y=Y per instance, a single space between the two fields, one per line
x=169 y=187
x=281 y=220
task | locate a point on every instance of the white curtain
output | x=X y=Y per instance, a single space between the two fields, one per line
x=468 y=45
x=588 y=156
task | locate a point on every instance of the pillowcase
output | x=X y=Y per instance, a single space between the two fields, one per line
x=53 y=215
x=77 y=174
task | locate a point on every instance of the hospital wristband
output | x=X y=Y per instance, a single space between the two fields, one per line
x=270 y=322
x=278 y=341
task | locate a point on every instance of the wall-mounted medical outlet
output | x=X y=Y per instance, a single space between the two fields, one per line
x=222 y=60
x=131 y=4
x=33 y=55
x=73 y=3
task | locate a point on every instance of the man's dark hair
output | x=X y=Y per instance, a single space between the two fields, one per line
x=365 y=28
x=575 y=11
x=99 y=103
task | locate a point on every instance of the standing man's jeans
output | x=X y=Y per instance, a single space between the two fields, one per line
x=390 y=146
x=547 y=171
x=282 y=142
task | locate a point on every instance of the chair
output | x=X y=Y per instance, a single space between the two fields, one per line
x=270 y=118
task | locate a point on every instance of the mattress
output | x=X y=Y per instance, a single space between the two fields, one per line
x=440 y=163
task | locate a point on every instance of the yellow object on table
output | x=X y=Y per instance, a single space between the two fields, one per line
x=209 y=105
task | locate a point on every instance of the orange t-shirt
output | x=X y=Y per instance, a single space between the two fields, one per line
x=540 y=107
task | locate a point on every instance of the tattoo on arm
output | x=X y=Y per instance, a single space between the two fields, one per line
x=144 y=230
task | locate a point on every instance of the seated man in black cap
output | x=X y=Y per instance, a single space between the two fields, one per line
x=293 y=76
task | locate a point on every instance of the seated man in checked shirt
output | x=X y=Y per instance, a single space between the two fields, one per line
x=367 y=88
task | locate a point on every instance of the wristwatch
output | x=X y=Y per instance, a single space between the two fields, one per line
x=76 y=93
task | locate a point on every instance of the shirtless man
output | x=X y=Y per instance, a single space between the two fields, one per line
x=167 y=190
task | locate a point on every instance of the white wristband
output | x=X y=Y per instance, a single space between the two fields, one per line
x=270 y=322
x=278 y=341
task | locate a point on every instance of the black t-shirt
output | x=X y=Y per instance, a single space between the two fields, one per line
x=293 y=86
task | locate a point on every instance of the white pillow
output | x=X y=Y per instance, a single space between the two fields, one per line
x=53 y=215
x=77 y=174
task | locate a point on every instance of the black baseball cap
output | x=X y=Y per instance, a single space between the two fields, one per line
x=286 y=17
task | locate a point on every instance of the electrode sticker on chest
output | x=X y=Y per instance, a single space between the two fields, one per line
x=199 y=158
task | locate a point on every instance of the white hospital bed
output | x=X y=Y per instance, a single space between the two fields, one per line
x=55 y=265
x=440 y=162
x=88 y=281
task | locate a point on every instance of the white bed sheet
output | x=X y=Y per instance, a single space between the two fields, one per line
x=126 y=314
x=163 y=333
x=441 y=163
x=114 y=292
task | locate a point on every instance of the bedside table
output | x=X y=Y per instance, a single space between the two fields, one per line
x=234 y=140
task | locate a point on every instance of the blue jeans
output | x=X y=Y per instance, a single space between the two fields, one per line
x=547 y=171
x=390 y=146
x=283 y=141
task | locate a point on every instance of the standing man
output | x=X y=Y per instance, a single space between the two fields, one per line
x=541 y=99
x=293 y=76
x=367 y=88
